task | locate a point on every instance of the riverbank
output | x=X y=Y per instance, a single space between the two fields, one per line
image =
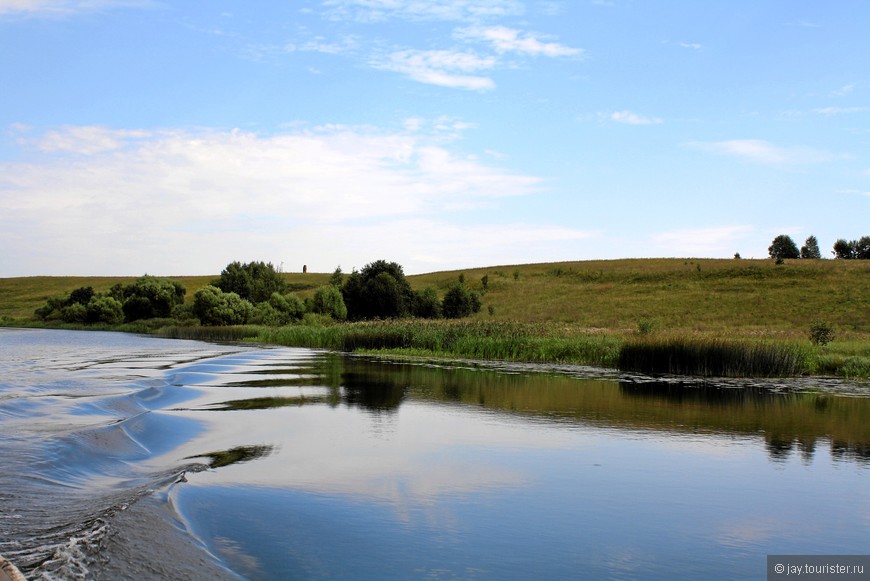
x=584 y=313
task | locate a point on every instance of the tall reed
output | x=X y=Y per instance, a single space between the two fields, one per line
x=713 y=357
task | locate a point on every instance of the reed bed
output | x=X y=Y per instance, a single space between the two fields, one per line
x=714 y=357
x=504 y=341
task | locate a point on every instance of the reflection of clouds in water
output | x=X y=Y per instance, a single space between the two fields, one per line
x=745 y=534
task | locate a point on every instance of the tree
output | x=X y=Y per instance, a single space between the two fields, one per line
x=105 y=310
x=149 y=297
x=783 y=247
x=214 y=307
x=379 y=290
x=810 y=249
x=460 y=302
x=328 y=301
x=426 y=303
x=862 y=248
x=253 y=281
x=845 y=250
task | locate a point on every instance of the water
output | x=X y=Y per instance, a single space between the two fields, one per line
x=134 y=457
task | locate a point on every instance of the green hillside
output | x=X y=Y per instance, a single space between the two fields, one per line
x=698 y=296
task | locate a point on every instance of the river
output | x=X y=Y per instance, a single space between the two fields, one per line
x=131 y=457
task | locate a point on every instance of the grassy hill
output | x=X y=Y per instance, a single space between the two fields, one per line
x=697 y=296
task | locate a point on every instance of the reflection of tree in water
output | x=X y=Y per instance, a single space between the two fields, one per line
x=372 y=393
x=789 y=421
x=234 y=455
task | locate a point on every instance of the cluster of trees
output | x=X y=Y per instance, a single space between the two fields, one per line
x=784 y=247
x=256 y=293
x=148 y=297
x=381 y=291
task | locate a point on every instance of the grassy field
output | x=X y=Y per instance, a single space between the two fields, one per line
x=578 y=311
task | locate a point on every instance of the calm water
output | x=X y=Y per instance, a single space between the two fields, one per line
x=134 y=457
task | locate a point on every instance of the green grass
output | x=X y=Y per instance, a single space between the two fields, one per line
x=581 y=312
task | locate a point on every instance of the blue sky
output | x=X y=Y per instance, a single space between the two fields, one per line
x=174 y=137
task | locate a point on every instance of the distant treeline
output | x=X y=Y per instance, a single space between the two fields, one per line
x=256 y=293
x=784 y=247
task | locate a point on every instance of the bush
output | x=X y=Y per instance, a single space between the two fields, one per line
x=328 y=301
x=378 y=291
x=252 y=281
x=74 y=313
x=426 y=304
x=214 y=307
x=821 y=333
x=105 y=310
x=460 y=302
x=149 y=297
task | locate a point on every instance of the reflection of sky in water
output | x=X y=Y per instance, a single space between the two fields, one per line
x=324 y=465
x=458 y=490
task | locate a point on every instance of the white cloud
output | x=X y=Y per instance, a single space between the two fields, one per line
x=760 y=151
x=92 y=200
x=449 y=10
x=62 y=7
x=505 y=40
x=719 y=241
x=831 y=111
x=691 y=45
x=630 y=118
x=844 y=90
x=441 y=67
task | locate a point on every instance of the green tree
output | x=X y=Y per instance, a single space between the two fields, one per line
x=105 y=309
x=426 y=303
x=214 y=307
x=329 y=301
x=74 y=313
x=253 y=281
x=460 y=302
x=810 y=249
x=379 y=290
x=783 y=247
x=862 y=248
x=844 y=249
x=149 y=297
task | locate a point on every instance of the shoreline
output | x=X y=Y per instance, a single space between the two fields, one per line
x=9 y=572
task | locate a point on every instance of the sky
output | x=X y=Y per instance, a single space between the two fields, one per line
x=171 y=138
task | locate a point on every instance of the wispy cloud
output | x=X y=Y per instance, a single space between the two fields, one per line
x=764 y=152
x=441 y=67
x=831 y=111
x=449 y=10
x=630 y=118
x=844 y=90
x=223 y=195
x=691 y=45
x=509 y=40
x=62 y=7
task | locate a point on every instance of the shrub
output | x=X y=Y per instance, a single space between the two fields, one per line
x=328 y=301
x=105 y=310
x=460 y=302
x=214 y=307
x=74 y=313
x=149 y=297
x=252 y=281
x=821 y=333
x=426 y=303
x=378 y=291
